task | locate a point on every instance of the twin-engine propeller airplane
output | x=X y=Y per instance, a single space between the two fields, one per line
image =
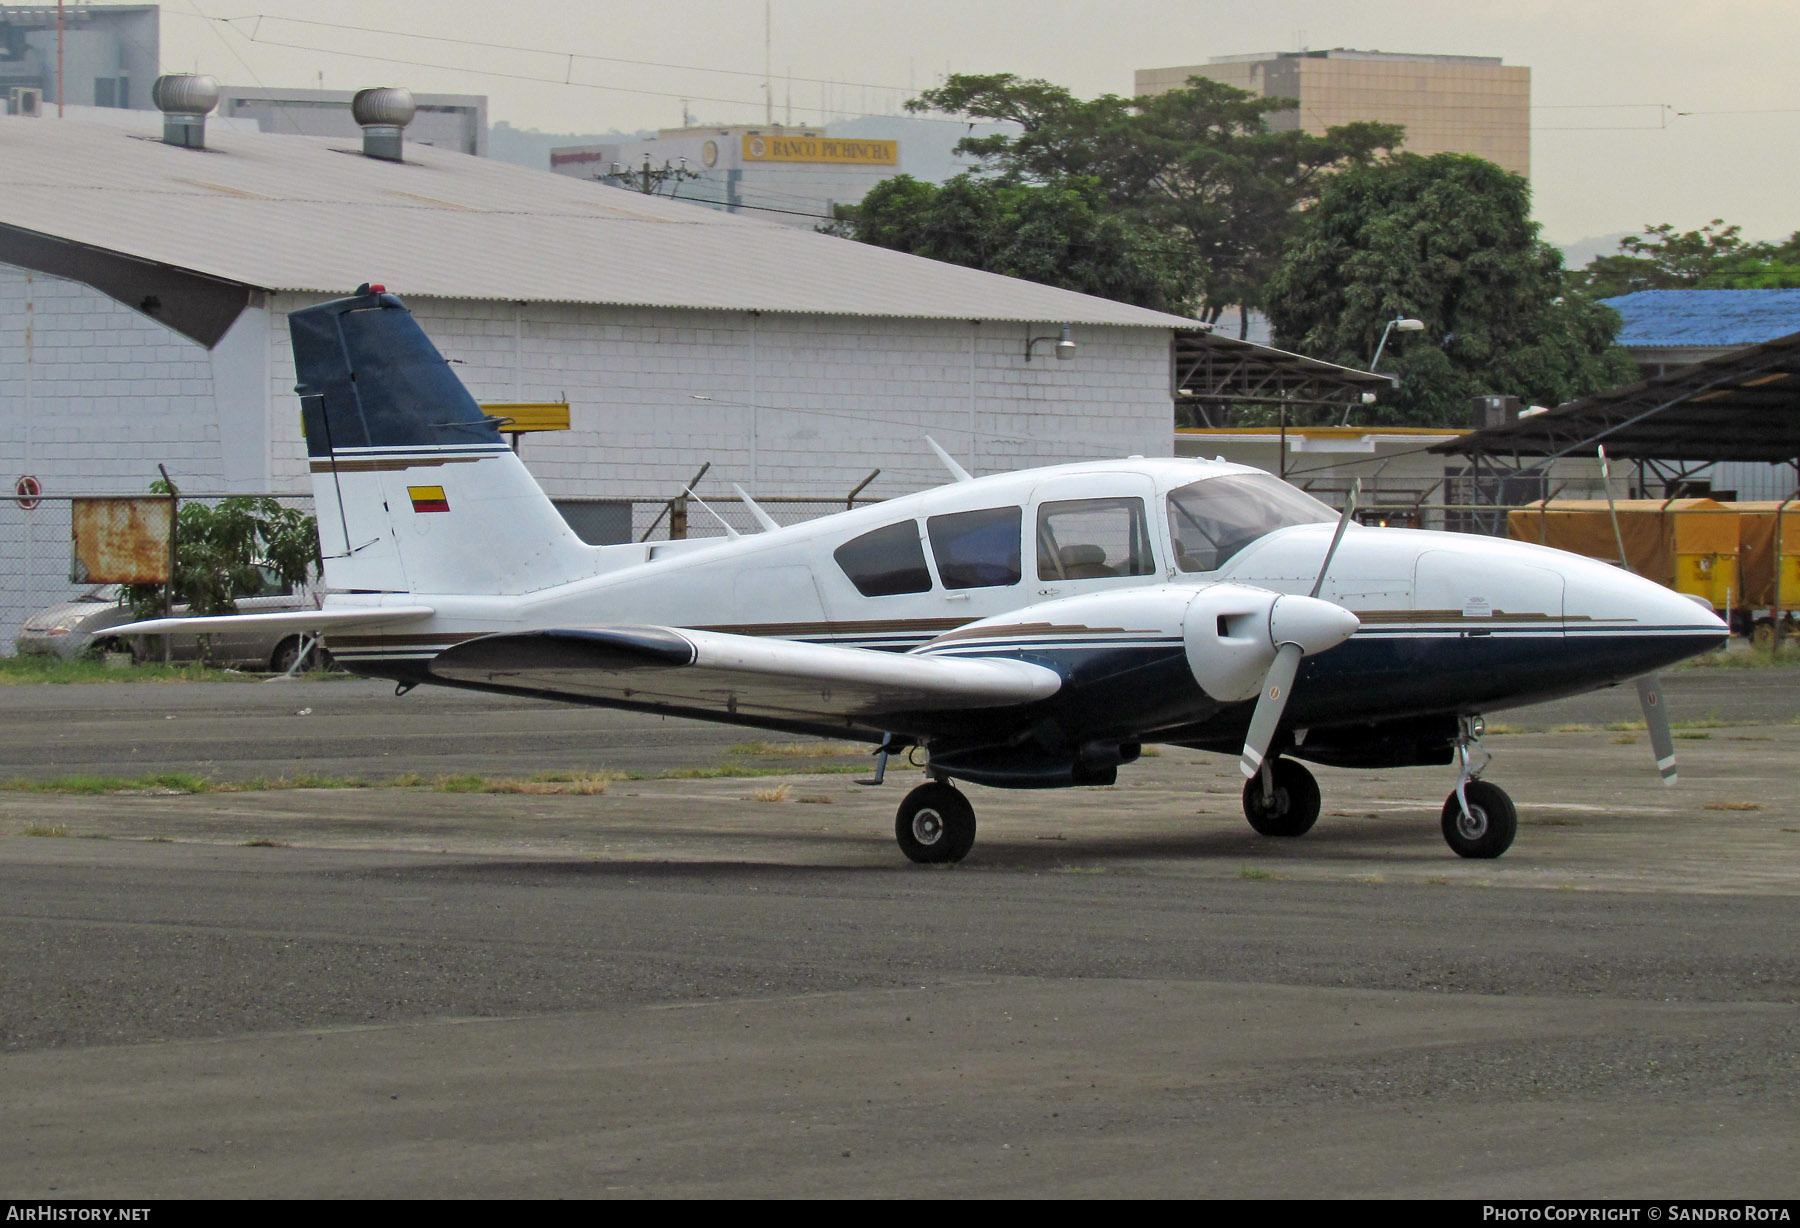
x=1023 y=630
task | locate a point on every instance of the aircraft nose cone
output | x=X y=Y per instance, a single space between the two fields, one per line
x=1311 y=624
x=1661 y=625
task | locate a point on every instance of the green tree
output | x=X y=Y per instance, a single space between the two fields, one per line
x=221 y=551
x=1058 y=234
x=1715 y=257
x=1447 y=240
x=1196 y=177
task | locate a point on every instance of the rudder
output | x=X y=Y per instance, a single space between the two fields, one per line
x=416 y=491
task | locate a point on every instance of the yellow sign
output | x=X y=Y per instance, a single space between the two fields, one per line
x=820 y=149
x=520 y=416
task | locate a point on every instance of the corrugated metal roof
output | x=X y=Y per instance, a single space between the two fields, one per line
x=1656 y=319
x=313 y=214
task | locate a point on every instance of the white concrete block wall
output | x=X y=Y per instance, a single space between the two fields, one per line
x=784 y=404
x=93 y=394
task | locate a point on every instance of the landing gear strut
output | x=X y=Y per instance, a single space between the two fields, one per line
x=1282 y=799
x=935 y=824
x=1479 y=819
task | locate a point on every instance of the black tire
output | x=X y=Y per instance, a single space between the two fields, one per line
x=282 y=659
x=1294 y=807
x=935 y=824
x=1488 y=829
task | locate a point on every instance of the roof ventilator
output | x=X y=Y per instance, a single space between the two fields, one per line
x=383 y=112
x=185 y=99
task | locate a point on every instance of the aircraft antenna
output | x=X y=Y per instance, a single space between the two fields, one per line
x=762 y=518
x=723 y=523
x=957 y=472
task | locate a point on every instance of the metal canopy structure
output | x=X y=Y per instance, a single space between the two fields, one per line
x=1739 y=406
x=1214 y=373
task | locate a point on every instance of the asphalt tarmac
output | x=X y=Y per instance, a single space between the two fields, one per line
x=737 y=986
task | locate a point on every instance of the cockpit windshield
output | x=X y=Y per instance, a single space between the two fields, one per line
x=1212 y=519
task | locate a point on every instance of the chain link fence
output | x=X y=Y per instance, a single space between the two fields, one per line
x=36 y=541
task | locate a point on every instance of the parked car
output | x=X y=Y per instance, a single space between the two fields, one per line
x=77 y=628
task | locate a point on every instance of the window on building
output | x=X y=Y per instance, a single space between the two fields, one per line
x=112 y=91
x=886 y=561
x=1093 y=539
x=1212 y=519
x=976 y=549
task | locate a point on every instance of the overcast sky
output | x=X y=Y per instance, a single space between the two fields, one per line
x=1644 y=112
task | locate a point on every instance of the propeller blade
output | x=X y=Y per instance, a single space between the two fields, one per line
x=1277 y=684
x=1656 y=719
x=1342 y=524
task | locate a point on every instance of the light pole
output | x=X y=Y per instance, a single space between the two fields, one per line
x=1405 y=324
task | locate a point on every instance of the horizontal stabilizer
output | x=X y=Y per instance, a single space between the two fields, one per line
x=297 y=620
x=738 y=676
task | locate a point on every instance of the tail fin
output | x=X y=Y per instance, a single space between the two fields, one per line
x=415 y=489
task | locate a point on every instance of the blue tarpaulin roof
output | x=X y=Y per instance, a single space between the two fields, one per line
x=1712 y=318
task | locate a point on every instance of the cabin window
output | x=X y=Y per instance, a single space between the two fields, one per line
x=1212 y=519
x=886 y=561
x=1093 y=539
x=976 y=549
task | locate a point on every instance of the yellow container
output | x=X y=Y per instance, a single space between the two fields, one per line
x=1769 y=553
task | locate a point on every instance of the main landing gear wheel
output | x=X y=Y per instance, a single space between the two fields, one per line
x=1487 y=830
x=935 y=824
x=1292 y=806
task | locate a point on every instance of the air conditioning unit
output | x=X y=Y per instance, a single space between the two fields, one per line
x=25 y=100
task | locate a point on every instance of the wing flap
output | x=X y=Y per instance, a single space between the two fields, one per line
x=740 y=676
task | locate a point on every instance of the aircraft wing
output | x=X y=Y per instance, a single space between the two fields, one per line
x=747 y=679
x=297 y=620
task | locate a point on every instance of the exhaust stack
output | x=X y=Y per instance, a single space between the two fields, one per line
x=185 y=99
x=383 y=112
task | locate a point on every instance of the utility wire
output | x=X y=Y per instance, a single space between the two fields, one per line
x=560 y=54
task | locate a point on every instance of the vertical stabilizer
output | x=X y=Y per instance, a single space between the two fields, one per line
x=416 y=491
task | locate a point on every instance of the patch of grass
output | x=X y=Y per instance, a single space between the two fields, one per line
x=1495 y=727
x=776 y=793
x=1626 y=740
x=94 y=786
x=797 y=750
x=732 y=768
x=1574 y=729
x=1754 y=658
x=1692 y=735
x=34 y=670
x=545 y=784
x=1151 y=752
x=1621 y=726
x=1255 y=874
x=1732 y=806
x=814 y=799
x=266 y=844
x=46 y=829
x=171 y=782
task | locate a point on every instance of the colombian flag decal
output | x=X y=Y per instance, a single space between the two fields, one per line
x=428 y=498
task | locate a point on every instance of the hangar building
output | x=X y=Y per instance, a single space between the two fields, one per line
x=144 y=290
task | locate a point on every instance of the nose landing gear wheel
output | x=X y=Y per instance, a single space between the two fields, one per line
x=1292 y=806
x=1487 y=830
x=935 y=824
